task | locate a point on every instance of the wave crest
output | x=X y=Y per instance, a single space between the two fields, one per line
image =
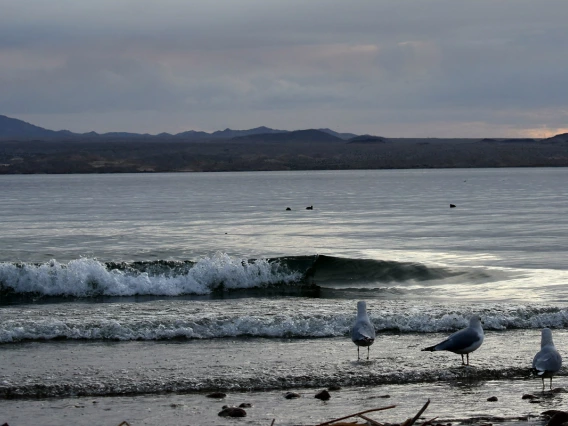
x=89 y=277
x=265 y=318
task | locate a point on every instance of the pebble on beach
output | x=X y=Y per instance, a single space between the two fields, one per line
x=292 y=395
x=550 y=413
x=245 y=405
x=529 y=396
x=334 y=388
x=558 y=419
x=232 y=412
x=492 y=399
x=217 y=395
x=323 y=395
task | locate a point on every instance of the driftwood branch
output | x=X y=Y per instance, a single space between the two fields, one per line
x=369 y=420
x=429 y=422
x=411 y=421
x=358 y=414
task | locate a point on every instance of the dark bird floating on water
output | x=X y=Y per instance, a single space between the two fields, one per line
x=310 y=208
x=462 y=342
x=363 y=332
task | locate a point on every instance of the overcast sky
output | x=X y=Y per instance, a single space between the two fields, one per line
x=432 y=68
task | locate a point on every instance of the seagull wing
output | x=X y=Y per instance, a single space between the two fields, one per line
x=547 y=360
x=459 y=341
x=363 y=331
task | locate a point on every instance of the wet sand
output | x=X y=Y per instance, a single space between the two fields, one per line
x=166 y=382
x=102 y=368
x=456 y=403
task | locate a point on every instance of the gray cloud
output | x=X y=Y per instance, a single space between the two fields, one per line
x=397 y=68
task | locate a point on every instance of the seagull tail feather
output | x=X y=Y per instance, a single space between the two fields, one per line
x=430 y=348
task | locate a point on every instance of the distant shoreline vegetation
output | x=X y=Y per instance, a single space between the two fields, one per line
x=28 y=149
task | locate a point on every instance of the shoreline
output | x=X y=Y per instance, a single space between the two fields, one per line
x=142 y=156
x=100 y=368
x=457 y=403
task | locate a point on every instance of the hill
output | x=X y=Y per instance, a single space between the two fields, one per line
x=12 y=128
x=306 y=136
x=339 y=135
x=561 y=138
x=367 y=139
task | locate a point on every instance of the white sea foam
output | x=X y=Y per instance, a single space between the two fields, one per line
x=117 y=330
x=89 y=277
x=255 y=317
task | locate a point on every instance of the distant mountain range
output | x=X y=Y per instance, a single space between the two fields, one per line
x=28 y=149
x=14 y=129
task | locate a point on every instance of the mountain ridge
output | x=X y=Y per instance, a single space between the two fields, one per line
x=29 y=149
x=308 y=135
x=16 y=129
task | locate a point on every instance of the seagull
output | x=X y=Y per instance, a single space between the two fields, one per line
x=547 y=361
x=462 y=342
x=363 y=332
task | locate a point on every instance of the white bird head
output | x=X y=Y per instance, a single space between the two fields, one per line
x=475 y=321
x=546 y=338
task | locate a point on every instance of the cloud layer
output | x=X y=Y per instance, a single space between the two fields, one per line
x=392 y=68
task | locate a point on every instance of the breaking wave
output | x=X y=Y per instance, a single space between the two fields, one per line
x=219 y=273
x=89 y=277
x=255 y=318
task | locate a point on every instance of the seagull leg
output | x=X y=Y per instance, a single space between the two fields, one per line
x=369 y=350
x=543 y=384
x=357 y=353
x=463 y=363
x=467 y=356
x=550 y=382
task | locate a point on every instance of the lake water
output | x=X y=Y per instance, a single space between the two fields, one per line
x=130 y=297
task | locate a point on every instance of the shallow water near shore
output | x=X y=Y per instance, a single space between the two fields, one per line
x=144 y=381
x=146 y=292
x=460 y=402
